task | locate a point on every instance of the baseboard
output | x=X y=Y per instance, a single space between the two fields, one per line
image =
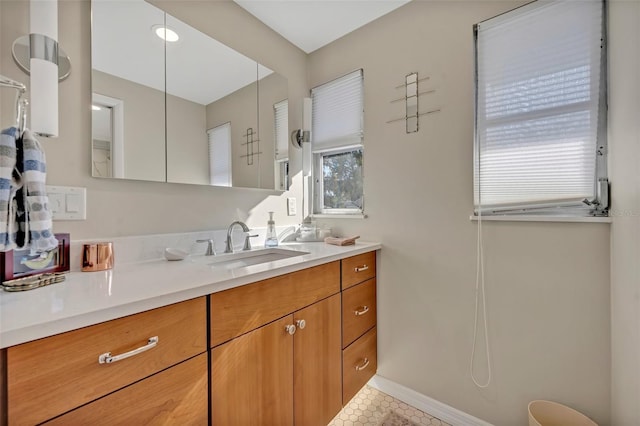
x=422 y=402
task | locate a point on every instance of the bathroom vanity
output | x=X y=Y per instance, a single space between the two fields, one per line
x=288 y=342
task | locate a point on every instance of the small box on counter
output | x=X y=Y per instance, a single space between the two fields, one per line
x=16 y=264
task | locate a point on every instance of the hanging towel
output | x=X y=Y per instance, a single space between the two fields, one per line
x=36 y=223
x=8 y=187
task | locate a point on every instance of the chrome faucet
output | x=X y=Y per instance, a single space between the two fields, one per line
x=229 y=246
x=211 y=251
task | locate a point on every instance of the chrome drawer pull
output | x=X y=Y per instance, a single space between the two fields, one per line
x=107 y=358
x=364 y=365
x=290 y=328
x=361 y=311
x=301 y=324
x=361 y=268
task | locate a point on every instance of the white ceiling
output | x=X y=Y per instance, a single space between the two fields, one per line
x=311 y=24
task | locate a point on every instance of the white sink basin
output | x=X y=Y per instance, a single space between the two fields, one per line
x=247 y=258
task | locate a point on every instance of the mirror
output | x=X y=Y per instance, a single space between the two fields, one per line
x=190 y=110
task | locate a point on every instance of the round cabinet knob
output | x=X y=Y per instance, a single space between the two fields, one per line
x=301 y=324
x=291 y=329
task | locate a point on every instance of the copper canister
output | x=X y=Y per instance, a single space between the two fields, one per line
x=97 y=257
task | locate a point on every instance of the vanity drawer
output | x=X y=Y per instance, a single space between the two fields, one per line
x=358 y=268
x=359 y=364
x=242 y=309
x=358 y=310
x=177 y=395
x=50 y=376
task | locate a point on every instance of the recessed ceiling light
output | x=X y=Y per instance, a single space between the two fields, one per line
x=95 y=108
x=165 y=33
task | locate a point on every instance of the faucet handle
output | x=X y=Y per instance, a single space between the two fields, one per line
x=247 y=241
x=210 y=250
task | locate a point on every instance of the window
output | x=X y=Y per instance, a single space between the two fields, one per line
x=540 y=135
x=220 y=155
x=281 y=136
x=337 y=145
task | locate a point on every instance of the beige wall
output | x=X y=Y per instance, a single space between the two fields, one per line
x=187 y=142
x=136 y=208
x=144 y=142
x=547 y=283
x=624 y=144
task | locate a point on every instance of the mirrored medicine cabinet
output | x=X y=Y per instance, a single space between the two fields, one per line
x=171 y=104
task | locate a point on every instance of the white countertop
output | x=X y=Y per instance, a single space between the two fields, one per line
x=87 y=298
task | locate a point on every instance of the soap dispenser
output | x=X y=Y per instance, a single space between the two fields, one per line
x=272 y=237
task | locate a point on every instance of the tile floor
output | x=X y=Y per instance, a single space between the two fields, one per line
x=370 y=407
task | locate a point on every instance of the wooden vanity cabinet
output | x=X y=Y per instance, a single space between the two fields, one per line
x=263 y=375
x=252 y=378
x=52 y=376
x=358 y=311
x=357 y=269
x=242 y=309
x=289 y=350
x=287 y=371
x=359 y=339
x=317 y=363
x=176 y=396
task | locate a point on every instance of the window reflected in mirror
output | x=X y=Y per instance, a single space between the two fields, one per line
x=281 y=126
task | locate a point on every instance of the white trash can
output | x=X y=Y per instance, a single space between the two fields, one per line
x=549 y=413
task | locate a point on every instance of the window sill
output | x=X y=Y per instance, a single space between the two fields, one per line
x=536 y=218
x=339 y=216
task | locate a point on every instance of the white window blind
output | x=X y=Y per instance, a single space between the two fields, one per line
x=281 y=117
x=538 y=104
x=220 y=155
x=337 y=109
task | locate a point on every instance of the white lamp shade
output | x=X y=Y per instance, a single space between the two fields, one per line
x=44 y=72
x=44 y=97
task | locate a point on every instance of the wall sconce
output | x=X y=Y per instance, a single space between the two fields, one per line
x=39 y=55
x=300 y=136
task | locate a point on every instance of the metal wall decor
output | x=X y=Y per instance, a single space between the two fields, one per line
x=410 y=99
x=250 y=140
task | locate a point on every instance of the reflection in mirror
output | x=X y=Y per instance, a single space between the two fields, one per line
x=107 y=136
x=102 y=140
x=281 y=125
x=128 y=67
x=216 y=132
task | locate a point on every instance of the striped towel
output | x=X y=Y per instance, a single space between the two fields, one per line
x=37 y=222
x=9 y=185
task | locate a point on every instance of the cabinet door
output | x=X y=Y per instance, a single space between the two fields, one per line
x=177 y=395
x=318 y=363
x=358 y=268
x=358 y=310
x=360 y=362
x=252 y=378
x=62 y=372
x=245 y=308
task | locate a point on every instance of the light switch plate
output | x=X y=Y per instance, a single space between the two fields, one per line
x=67 y=202
x=291 y=206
